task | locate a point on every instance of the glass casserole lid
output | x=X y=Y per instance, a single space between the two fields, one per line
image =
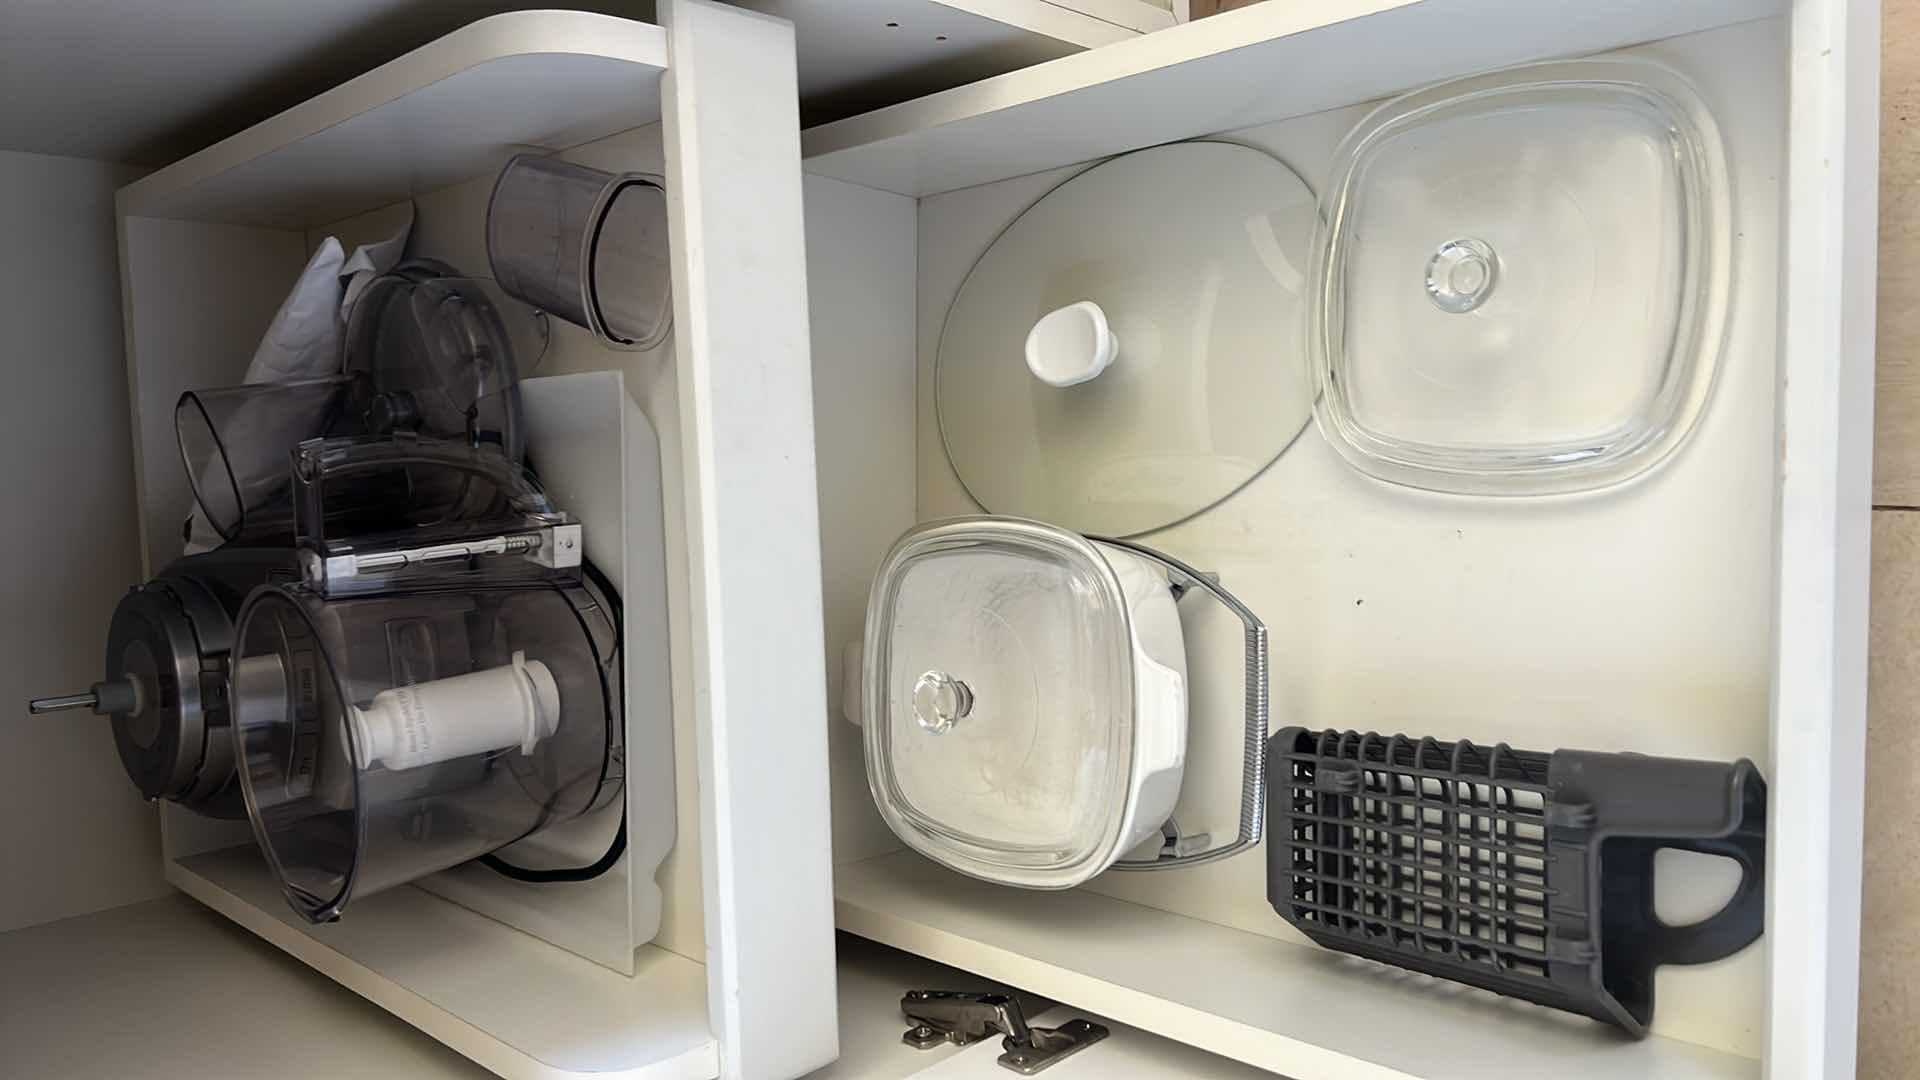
x=1124 y=354
x=1521 y=279
x=1025 y=699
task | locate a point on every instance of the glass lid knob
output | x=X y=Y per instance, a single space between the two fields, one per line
x=939 y=700
x=1461 y=275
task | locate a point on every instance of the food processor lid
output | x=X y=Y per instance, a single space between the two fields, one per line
x=434 y=357
x=1127 y=353
x=374 y=514
x=1522 y=279
x=295 y=753
x=1000 y=719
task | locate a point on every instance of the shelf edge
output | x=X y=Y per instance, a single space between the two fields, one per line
x=1060 y=20
x=1148 y=52
x=445 y=1027
x=875 y=899
x=1161 y=1016
x=518 y=33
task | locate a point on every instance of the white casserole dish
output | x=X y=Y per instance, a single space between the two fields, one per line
x=1024 y=697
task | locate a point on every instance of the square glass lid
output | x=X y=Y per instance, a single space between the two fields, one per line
x=1000 y=700
x=1522 y=279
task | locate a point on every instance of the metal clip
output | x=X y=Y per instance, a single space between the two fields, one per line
x=1178 y=844
x=1182 y=580
x=943 y=1016
x=1180 y=586
x=554 y=546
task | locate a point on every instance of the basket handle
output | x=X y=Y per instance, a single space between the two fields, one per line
x=1736 y=924
x=1253 y=773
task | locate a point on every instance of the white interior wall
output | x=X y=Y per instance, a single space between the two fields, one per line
x=183 y=342
x=78 y=838
x=860 y=295
x=197 y=345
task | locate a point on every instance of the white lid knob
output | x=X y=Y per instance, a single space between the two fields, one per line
x=1070 y=345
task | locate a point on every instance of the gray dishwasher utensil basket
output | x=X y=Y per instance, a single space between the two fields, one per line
x=1525 y=873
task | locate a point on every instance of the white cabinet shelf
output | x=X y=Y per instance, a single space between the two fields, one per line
x=1250 y=66
x=451 y=109
x=1299 y=1011
x=79 y=1000
x=505 y=999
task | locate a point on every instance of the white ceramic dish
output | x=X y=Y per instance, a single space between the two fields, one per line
x=1025 y=699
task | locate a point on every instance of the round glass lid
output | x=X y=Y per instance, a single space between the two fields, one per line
x=1125 y=354
x=1000 y=730
x=1521 y=279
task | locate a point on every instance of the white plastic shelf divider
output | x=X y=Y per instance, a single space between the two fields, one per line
x=457 y=107
x=1295 y=1010
x=507 y=1000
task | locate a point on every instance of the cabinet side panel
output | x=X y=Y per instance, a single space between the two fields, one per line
x=1826 y=409
x=860 y=285
x=74 y=833
x=198 y=298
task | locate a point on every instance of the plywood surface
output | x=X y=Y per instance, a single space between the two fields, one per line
x=1890 y=906
x=1890 y=912
x=1896 y=449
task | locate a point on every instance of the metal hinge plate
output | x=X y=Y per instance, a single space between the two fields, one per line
x=942 y=1016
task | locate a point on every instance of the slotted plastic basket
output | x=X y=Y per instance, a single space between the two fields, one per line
x=1529 y=874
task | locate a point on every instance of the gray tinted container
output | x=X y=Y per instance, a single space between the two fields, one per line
x=588 y=246
x=380 y=739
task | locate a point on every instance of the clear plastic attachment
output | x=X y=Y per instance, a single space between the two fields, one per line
x=376 y=514
x=384 y=738
x=433 y=357
x=588 y=246
x=237 y=445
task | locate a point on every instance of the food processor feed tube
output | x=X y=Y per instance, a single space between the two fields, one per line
x=406 y=727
